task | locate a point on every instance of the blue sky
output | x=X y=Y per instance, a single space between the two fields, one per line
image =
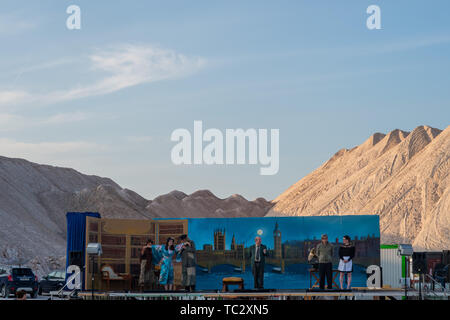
x=292 y=228
x=105 y=99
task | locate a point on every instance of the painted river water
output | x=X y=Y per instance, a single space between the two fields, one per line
x=296 y=276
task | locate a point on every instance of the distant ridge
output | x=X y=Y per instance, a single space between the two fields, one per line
x=204 y=204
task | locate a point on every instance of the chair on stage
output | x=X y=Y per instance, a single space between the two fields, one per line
x=232 y=281
x=314 y=274
x=109 y=275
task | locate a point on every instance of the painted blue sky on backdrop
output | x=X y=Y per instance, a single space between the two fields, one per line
x=94 y=99
x=292 y=228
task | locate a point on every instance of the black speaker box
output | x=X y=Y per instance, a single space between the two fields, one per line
x=75 y=258
x=446 y=257
x=419 y=262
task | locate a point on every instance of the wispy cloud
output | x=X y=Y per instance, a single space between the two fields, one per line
x=12 y=24
x=116 y=68
x=63 y=118
x=17 y=74
x=13 y=96
x=401 y=46
x=139 y=139
x=350 y=50
x=45 y=151
x=12 y=122
x=84 y=155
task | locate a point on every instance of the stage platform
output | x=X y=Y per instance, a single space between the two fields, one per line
x=354 y=294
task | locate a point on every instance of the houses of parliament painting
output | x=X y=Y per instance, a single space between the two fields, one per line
x=223 y=246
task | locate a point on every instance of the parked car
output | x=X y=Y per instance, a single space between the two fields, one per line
x=13 y=279
x=54 y=281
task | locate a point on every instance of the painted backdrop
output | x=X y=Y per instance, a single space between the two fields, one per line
x=223 y=247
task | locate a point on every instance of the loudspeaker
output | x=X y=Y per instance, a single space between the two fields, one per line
x=419 y=262
x=75 y=258
x=446 y=257
x=446 y=261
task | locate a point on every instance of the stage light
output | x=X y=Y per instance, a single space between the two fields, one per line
x=93 y=250
x=405 y=250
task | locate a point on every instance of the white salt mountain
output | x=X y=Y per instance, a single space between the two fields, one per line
x=402 y=176
x=34 y=199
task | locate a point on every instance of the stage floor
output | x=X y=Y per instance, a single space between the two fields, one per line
x=354 y=294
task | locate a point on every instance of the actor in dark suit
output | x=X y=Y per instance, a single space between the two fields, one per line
x=258 y=254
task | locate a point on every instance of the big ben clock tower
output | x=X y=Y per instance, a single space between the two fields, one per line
x=277 y=241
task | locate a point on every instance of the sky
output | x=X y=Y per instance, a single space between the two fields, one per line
x=106 y=98
x=292 y=228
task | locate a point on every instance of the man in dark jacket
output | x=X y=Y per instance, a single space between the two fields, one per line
x=147 y=276
x=188 y=263
x=258 y=254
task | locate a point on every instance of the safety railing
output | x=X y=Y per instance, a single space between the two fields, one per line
x=432 y=286
x=60 y=291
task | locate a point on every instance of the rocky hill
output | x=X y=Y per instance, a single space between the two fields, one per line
x=401 y=176
x=34 y=199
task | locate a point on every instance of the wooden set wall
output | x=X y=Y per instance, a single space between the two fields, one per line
x=122 y=240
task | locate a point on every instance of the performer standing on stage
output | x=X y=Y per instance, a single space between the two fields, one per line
x=258 y=253
x=164 y=254
x=324 y=250
x=346 y=254
x=188 y=263
x=146 y=276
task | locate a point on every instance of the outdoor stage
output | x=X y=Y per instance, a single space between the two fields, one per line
x=354 y=294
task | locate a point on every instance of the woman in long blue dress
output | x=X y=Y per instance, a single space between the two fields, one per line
x=164 y=254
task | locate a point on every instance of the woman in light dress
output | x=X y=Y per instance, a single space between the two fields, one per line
x=346 y=254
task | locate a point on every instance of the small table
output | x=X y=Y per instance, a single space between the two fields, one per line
x=232 y=281
x=126 y=277
x=314 y=273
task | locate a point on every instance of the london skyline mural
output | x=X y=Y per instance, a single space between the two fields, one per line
x=223 y=246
